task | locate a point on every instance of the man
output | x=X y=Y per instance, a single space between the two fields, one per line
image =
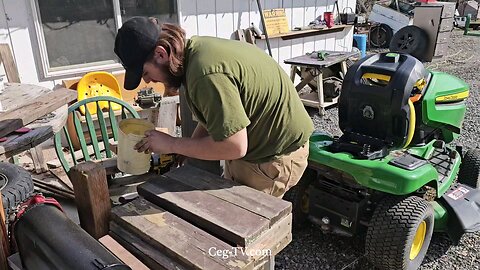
x=248 y=111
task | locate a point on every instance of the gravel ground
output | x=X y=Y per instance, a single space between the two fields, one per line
x=311 y=249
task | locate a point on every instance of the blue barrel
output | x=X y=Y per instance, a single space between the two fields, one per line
x=360 y=41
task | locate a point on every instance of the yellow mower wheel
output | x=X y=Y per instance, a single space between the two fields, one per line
x=418 y=240
x=399 y=232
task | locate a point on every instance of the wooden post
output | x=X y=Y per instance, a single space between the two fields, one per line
x=91 y=197
x=38 y=159
x=8 y=61
x=4 y=246
x=188 y=126
x=167 y=114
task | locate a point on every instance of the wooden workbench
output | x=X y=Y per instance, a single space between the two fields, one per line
x=317 y=100
x=21 y=105
x=187 y=219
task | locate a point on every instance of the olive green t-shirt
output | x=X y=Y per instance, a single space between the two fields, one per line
x=231 y=85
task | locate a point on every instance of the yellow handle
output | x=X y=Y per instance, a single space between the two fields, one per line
x=380 y=77
x=411 y=126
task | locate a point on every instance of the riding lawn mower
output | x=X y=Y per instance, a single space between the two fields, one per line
x=393 y=174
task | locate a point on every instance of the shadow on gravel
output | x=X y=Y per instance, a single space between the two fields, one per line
x=311 y=249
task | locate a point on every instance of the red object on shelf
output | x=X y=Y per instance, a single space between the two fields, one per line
x=22 y=130
x=329 y=20
x=4 y=139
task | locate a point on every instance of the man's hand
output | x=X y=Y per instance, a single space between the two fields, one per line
x=155 y=141
x=204 y=147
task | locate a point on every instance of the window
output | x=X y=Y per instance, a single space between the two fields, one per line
x=76 y=36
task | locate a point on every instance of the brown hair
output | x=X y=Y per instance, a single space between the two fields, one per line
x=172 y=38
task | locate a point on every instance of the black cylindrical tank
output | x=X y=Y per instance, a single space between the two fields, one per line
x=47 y=239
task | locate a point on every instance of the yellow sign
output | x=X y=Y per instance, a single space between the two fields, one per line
x=276 y=21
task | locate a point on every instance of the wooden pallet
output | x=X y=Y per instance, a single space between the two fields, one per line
x=183 y=218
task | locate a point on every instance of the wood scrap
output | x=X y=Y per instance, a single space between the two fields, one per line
x=245 y=197
x=32 y=109
x=51 y=181
x=38 y=159
x=122 y=253
x=142 y=250
x=217 y=216
x=62 y=176
x=41 y=187
x=18 y=143
x=176 y=238
x=91 y=197
x=9 y=64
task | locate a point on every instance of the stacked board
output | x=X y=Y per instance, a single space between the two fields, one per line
x=192 y=219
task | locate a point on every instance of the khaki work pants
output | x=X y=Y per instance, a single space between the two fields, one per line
x=273 y=177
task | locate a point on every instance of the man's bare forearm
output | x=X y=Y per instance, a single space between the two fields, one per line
x=206 y=148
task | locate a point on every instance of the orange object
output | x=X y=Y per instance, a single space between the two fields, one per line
x=416 y=98
x=329 y=20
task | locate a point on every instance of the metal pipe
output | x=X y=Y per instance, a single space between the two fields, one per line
x=264 y=28
x=48 y=240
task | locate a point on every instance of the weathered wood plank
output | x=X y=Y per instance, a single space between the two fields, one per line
x=91 y=197
x=175 y=237
x=217 y=216
x=245 y=197
x=19 y=143
x=15 y=94
x=149 y=255
x=31 y=110
x=38 y=159
x=4 y=243
x=274 y=240
x=109 y=164
x=6 y=58
x=62 y=176
x=122 y=253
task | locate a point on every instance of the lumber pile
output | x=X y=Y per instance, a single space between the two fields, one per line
x=192 y=219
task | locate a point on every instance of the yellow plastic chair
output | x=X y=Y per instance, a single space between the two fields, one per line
x=98 y=83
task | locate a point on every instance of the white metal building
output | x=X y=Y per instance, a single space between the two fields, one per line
x=52 y=40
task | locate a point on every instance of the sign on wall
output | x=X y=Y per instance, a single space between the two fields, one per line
x=276 y=21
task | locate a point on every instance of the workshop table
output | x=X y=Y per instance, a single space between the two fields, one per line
x=317 y=100
x=22 y=104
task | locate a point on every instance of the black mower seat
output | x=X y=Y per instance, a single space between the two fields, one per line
x=374 y=110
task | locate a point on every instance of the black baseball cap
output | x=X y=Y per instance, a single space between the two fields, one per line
x=135 y=41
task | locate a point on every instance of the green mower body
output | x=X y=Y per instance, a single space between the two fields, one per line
x=392 y=174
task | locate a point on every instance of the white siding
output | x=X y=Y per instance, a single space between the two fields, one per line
x=19 y=25
x=221 y=18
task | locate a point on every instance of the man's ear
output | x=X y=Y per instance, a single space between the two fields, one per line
x=161 y=55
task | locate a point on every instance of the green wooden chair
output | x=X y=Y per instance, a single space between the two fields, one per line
x=93 y=139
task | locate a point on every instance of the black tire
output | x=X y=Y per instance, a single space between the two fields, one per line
x=16 y=185
x=410 y=39
x=380 y=35
x=298 y=195
x=469 y=173
x=392 y=231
